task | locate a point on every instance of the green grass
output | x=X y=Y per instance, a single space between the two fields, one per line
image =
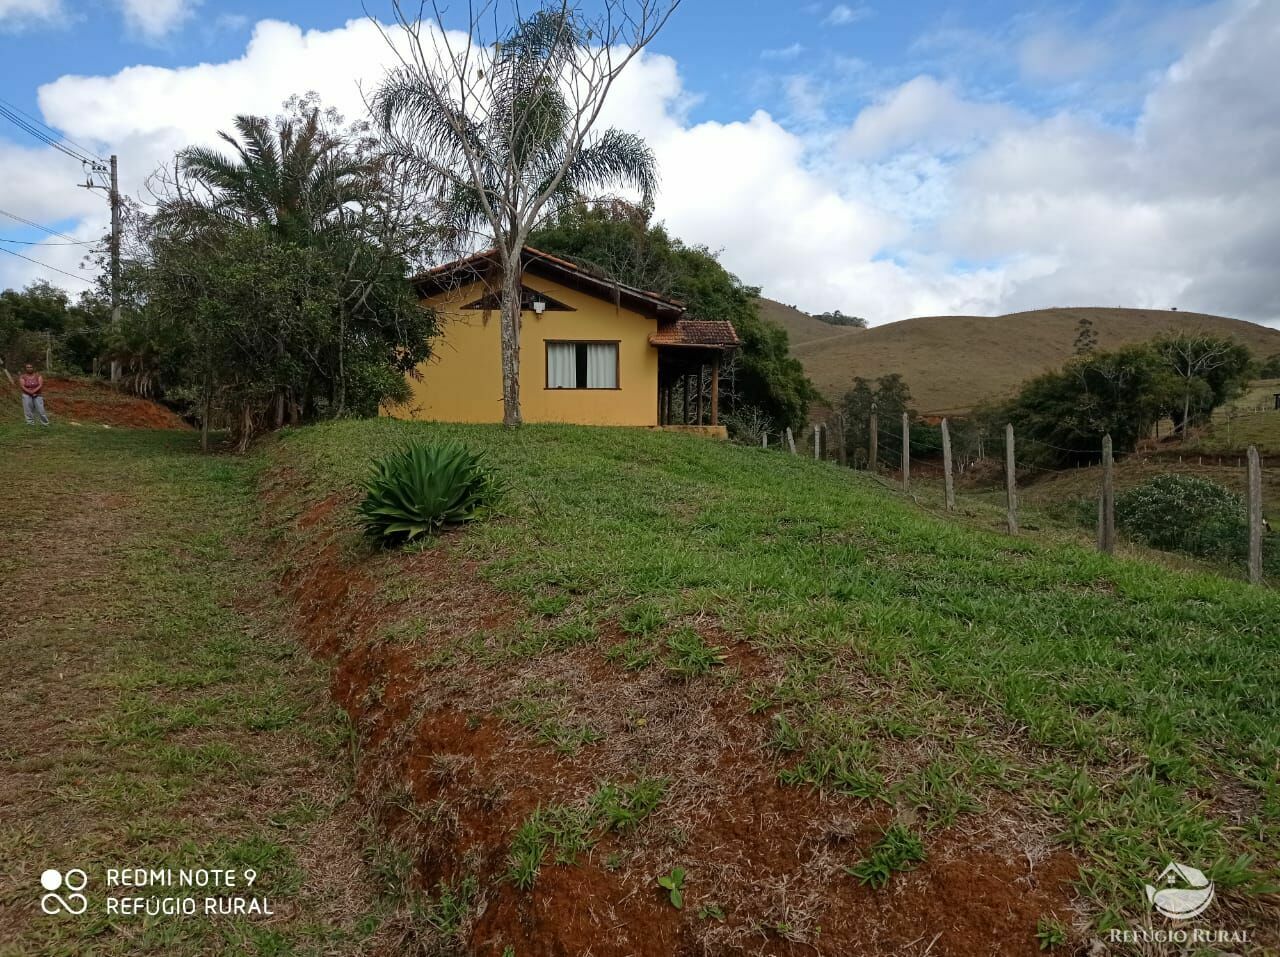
x=157 y=711
x=1120 y=696
x=897 y=850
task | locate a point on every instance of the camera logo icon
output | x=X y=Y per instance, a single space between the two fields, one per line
x=71 y=884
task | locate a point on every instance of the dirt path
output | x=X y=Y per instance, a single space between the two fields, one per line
x=156 y=714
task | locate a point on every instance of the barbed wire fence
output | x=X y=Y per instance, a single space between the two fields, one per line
x=894 y=448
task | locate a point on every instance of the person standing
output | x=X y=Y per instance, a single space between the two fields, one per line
x=32 y=384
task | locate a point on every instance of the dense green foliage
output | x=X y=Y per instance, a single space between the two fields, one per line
x=42 y=315
x=1062 y=415
x=620 y=241
x=425 y=487
x=837 y=318
x=278 y=293
x=889 y=397
x=1270 y=368
x=1188 y=514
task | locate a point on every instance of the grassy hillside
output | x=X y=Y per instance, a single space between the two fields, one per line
x=1252 y=419
x=830 y=710
x=801 y=327
x=954 y=362
x=159 y=711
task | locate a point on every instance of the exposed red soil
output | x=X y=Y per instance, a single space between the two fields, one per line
x=450 y=781
x=78 y=402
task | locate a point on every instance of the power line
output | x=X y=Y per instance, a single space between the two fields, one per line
x=17 y=109
x=28 y=127
x=32 y=242
x=35 y=225
x=46 y=265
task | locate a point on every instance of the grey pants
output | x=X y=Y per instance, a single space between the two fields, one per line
x=32 y=406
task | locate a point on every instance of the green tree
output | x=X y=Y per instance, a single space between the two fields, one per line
x=1086 y=340
x=1270 y=368
x=1061 y=416
x=27 y=315
x=270 y=285
x=618 y=240
x=502 y=130
x=889 y=396
x=1212 y=370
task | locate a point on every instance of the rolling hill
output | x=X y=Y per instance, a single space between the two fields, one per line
x=955 y=362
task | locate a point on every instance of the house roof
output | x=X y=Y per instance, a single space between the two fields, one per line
x=697 y=333
x=477 y=266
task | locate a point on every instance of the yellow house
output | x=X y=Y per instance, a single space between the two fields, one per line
x=592 y=351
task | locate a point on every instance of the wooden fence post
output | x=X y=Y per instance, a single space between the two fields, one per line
x=875 y=439
x=1011 y=479
x=791 y=442
x=1255 y=516
x=948 y=482
x=1107 y=501
x=817 y=443
x=906 y=452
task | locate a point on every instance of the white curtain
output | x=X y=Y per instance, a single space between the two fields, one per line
x=602 y=365
x=562 y=365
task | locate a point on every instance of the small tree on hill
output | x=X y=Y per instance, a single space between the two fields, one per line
x=1086 y=340
x=837 y=318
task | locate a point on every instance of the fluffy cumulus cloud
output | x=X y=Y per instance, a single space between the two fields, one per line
x=930 y=201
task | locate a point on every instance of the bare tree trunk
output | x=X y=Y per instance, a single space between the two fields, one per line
x=510 y=328
x=1186 y=412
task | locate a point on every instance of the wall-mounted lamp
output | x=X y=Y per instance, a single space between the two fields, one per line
x=539 y=306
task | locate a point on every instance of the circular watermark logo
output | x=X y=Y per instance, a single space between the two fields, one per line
x=63 y=891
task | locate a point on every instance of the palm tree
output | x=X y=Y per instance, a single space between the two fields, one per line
x=291 y=176
x=504 y=138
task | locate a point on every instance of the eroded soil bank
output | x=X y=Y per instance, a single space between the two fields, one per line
x=506 y=756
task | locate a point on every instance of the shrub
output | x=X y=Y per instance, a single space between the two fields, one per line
x=1186 y=514
x=424 y=487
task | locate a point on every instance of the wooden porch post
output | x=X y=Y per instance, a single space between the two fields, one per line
x=715 y=390
x=684 y=412
x=702 y=372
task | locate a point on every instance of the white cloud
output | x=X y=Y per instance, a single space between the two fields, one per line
x=156 y=19
x=924 y=114
x=20 y=13
x=842 y=14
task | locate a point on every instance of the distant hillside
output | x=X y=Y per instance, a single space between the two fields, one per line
x=801 y=327
x=955 y=362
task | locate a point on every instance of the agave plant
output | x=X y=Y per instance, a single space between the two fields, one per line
x=425 y=487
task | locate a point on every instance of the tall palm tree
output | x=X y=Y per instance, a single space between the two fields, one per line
x=504 y=137
x=290 y=176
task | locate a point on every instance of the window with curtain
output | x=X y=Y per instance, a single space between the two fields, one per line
x=582 y=365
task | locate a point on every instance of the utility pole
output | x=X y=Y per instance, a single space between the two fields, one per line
x=113 y=242
x=115 y=258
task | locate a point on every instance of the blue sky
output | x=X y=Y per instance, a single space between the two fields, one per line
x=884 y=158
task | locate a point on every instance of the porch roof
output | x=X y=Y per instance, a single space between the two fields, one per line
x=697 y=334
